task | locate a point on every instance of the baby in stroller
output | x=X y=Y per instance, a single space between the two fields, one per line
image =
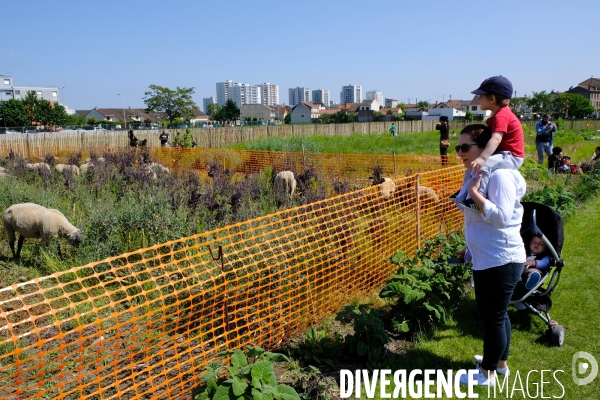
x=538 y=262
x=542 y=228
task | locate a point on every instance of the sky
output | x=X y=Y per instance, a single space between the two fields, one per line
x=408 y=50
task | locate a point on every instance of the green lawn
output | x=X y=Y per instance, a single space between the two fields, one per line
x=575 y=307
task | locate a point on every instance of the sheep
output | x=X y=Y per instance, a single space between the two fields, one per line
x=34 y=221
x=387 y=187
x=37 y=166
x=89 y=163
x=157 y=167
x=286 y=181
x=63 y=168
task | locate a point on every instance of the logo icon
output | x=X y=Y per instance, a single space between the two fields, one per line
x=580 y=368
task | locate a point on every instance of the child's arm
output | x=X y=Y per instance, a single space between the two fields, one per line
x=490 y=148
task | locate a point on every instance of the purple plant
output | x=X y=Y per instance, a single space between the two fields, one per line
x=75 y=159
x=49 y=159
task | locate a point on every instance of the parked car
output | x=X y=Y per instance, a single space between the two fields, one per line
x=10 y=131
x=31 y=131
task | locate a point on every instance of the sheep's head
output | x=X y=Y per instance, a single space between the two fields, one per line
x=76 y=238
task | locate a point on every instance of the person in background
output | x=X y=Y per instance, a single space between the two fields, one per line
x=164 y=138
x=555 y=158
x=543 y=139
x=133 y=140
x=393 y=129
x=596 y=156
x=444 y=128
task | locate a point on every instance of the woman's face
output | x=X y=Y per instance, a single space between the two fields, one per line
x=473 y=151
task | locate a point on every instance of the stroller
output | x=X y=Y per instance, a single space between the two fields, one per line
x=541 y=220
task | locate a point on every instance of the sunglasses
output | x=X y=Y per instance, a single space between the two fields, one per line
x=464 y=147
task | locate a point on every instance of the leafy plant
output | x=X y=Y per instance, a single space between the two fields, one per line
x=311 y=384
x=425 y=284
x=559 y=198
x=244 y=379
x=320 y=347
x=369 y=336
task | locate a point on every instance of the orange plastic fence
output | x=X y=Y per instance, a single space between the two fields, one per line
x=144 y=324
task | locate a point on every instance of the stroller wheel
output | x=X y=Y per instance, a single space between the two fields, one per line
x=557 y=335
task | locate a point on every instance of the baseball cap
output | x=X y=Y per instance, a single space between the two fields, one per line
x=495 y=85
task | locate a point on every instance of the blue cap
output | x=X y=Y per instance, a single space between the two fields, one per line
x=495 y=85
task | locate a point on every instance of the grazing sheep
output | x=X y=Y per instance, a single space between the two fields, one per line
x=34 y=221
x=157 y=167
x=428 y=197
x=89 y=160
x=387 y=187
x=63 y=168
x=286 y=181
x=37 y=166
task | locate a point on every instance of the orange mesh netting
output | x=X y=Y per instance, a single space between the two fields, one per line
x=144 y=324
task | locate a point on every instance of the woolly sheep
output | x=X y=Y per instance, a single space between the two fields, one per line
x=157 y=167
x=34 y=221
x=37 y=166
x=387 y=187
x=286 y=180
x=63 y=168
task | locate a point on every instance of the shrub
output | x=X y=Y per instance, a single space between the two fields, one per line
x=559 y=198
x=425 y=284
x=320 y=347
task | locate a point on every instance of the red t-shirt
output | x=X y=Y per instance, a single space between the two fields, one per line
x=506 y=122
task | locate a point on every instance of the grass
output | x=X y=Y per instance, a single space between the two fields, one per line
x=575 y=300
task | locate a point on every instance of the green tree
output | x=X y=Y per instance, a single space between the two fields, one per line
x=50 y=114
x=423 y=104
x=212 y=109
x=176 y=103
x=75 y=119
x=402 y=107
x=287 y=119
x=30 y=101
x=15 y=112
x=231 y=111
x=572 y=105
x=469 y=115
x=540 y=101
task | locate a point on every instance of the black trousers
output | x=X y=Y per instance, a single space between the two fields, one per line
x=493 y=290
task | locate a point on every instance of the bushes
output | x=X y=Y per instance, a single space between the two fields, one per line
x=425 y=284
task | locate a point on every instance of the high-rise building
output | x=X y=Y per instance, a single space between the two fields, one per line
x=321 y=96
x=351 y=94
x=299 y=94
x=270 y=94
x=375 y=95
x=246 y=94
x=206 y=101
x=223 y=89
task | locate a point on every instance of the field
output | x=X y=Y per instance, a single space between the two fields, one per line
x=121 y=208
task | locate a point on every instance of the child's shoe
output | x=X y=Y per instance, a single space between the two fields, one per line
x=500 y=371
x=533 y=279
x=479 y=379
x=468 y=204
x=520 y=306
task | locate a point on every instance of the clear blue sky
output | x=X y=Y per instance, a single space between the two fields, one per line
x=407 y=49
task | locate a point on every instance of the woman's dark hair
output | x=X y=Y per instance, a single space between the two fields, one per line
x=556 y=150
x=443 y=118
x=480 y=134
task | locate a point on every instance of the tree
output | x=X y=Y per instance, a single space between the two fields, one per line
x=30 y=101
x=423 y=104
x=75 y=119
x=402 y=106
x=572 y=105
x=212 y=109
x=518 y=104
x=469 y=115
x=176 y=103
x=287 y=119
x=48 y=113
x=540 y=102
x=231 y=111
x=15 y=112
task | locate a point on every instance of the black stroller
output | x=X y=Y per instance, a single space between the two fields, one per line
x=541 y=220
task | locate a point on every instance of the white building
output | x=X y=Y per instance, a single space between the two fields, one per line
x=208 y=100
x=443 y=109
x=351 y=94
x=246 y=94
x=297 y=95
x=9 y=91
x=223 y=89
x=270 y=94
x=375 y=95
x=258 y=111
x=321 y=96
x=304 y=112
x=476 y=110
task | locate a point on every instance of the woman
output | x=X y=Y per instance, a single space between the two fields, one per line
x=444 y=128
x=495 y=246
x=133 y=140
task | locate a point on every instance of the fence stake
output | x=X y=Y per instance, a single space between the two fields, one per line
x=225 y=312
x=418 y=212
x=395 y=173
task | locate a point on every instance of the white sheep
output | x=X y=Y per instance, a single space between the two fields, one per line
x=34 y=221
x=37 y=166
x=286 y=181
x=64 y=168
x=387 y=187
x=157 y=167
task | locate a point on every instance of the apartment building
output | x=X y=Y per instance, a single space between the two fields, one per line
x=321 y=96
x=223 y=89
x=206 y=101
x=270 y=94
x=375 y=95
x=351 y=94
x=298 y=95
x=590 y=89
x=9 y=91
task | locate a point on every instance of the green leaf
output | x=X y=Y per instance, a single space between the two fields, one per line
x=287 y=392
x=238 y=386
x=255 y=351
x=361 y=348
x=222 y=393
x=258 y=395
x=263 y=370
x=238 y=359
